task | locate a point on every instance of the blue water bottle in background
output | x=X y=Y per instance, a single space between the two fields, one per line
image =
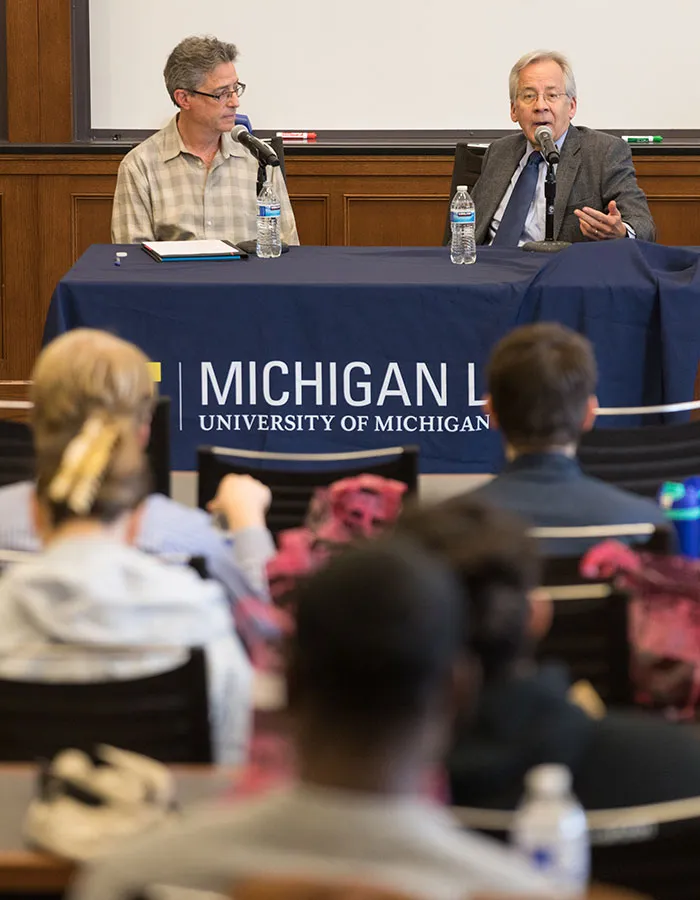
x=681 y=505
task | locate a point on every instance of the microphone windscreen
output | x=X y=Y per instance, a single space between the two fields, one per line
x=238 y=130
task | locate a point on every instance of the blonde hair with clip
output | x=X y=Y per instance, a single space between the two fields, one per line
x=85 y=372
x=100 y=473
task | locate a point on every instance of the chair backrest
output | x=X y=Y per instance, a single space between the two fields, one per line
x=466 y=170
x=640 y=459
x=651 y=849
x=17 y=459
x=293 y=477
x=164 y=716
x=158 y=450
x=563 y=547
x=16 y=452
x=589 y=633
x=242 y=119
x=559 y=569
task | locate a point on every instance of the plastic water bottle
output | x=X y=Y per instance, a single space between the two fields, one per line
x=681 y=505
x=463 y=224
x=550 y=830
x=269 y=243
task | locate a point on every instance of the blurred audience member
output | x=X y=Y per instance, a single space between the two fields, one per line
x=525 y=716
x=74 y=611
x=541 y=394
x=373 y=677
x=86 y=371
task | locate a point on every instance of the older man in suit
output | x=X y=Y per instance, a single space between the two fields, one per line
x=597 y=198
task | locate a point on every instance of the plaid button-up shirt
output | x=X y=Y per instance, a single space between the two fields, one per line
x=166 y=193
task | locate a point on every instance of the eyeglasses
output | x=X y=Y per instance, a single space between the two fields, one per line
x=223 y=96
x=530 y=97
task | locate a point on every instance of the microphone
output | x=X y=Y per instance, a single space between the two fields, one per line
x=545 y=139
x=260 y=150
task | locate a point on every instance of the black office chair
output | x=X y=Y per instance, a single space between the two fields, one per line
x=16 y=452
x=158 y=450
x=656 y=854
x=640 y=458
x=466 y=170
x=559 y=568
x=651 y=849
x=164 y=716
x=17 y=460
x=589 y=633
x=293 y=477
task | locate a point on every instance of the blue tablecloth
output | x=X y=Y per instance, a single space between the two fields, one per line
x=341 y=348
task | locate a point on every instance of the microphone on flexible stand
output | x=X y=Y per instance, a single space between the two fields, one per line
x=265 y=156
x=260 y=150
x=545 y=141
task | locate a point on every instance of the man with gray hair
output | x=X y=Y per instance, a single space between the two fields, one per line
x=191 y=179
x=597 y=198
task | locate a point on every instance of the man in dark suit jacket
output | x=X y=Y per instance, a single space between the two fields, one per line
x=597 y=197
x=541 y=382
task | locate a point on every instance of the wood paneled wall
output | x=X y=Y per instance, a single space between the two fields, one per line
x=38 y=59
x=53 y=207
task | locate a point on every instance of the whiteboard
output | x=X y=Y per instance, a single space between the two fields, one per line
x=402 y=64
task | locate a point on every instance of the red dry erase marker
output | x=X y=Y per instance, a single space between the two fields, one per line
x=297 y=135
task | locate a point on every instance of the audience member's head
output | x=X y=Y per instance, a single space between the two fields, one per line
x=84 y=372
x=374 y=666
x=498 y=569
x=98 y=476
x=541 y=388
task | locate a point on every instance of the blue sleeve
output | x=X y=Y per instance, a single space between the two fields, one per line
x=236 y=560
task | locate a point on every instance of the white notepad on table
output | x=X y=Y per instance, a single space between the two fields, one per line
x=174 y=250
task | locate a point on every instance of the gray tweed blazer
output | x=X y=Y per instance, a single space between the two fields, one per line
x=594 y=169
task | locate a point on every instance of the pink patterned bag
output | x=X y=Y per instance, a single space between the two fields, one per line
x=664 y=622
x=362 y=506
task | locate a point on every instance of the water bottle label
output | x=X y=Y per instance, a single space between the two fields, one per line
x=271 y=210
x=566 y=866
x=542 y=858
x=463 y=218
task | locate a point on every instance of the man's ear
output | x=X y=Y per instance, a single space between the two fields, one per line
x=488 y=407
x=589 y=417
x=182 y=98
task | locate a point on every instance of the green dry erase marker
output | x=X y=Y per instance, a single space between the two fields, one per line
x=642 y=138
